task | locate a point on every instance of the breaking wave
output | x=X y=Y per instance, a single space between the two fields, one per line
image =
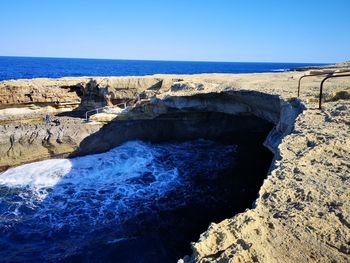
x=74 y=199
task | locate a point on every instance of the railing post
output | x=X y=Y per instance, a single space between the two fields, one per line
x=101 y=108
x=321 y=91
x=299 y=85
x=311 y=75
x=321 y=87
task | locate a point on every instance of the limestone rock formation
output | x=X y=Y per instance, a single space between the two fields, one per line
x=302 y=213
x=23 y=143
x=23 y=99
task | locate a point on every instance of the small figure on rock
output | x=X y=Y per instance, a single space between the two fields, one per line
x=47 y=119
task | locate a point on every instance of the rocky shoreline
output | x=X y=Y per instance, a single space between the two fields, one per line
x=342 y=65
x=302 y=213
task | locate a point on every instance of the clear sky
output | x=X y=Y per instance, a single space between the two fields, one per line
x=208 y=30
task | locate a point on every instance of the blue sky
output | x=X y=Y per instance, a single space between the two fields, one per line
x=200 y=30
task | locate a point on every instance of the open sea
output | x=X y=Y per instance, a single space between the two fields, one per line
x=138 y=202
x=28 y=67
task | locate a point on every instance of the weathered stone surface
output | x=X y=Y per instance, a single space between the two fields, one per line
x=302 y=213
x=23 y=143
x=22 y=99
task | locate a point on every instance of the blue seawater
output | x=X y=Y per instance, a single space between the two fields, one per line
x=29 y=67
x=114 y=206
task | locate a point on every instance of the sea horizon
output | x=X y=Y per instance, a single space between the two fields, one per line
x=168 y=60
x=19 y=67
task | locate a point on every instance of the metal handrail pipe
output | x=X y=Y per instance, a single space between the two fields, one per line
x=312 y=75
x=315 y=74
x=97 y=109
x=321 y=86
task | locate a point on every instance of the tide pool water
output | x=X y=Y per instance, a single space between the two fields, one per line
x=134 y=199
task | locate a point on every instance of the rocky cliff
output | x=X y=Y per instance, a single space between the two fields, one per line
x=24 y=143
x=302 y=213
x=27 y=99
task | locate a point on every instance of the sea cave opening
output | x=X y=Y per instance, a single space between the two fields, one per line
x=160 y=184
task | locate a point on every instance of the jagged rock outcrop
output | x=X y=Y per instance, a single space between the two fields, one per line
x=23 y=143
x=23 y=99
x=338 y=66
x=271 y=108
x=302 y=213
x=149 y=121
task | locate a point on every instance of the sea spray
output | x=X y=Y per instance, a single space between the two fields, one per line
x=71 y=201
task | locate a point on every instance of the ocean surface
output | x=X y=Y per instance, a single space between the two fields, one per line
x=27 y=67
x=139 y=202
x=87 y=208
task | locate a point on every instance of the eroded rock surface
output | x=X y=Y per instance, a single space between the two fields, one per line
x=23 y=143
x=302 y=213
x=23 y=99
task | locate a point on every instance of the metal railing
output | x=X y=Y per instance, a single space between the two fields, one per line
x=311 y=75
x=321 y=86
x=97 y=110
x=321 y=73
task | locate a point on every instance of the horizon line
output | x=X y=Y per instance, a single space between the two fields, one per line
x=172 y=60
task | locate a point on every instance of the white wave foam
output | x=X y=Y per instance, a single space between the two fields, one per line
x=39 y=174
x=101 y=188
